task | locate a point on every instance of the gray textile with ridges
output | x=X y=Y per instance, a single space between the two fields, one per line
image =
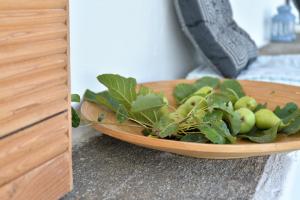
x=210 y=26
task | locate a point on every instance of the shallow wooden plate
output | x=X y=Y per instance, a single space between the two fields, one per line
x=273 y=94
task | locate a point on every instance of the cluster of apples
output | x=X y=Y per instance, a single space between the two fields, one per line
x=244 y=106
x=262 y=119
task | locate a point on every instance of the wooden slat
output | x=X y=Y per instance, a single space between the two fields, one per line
x=21 y=52
x=32 y=4
x=36 y=114
x=31 y=147
x=13 y=86
x=35 y=65
x=12 y=106
x=14 y=18
x=48 y=182
x=32 y=34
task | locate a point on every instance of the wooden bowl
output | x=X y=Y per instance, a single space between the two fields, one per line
x=273 y=94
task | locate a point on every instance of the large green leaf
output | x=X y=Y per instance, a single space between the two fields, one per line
x=120 y=88
x=212 y=134
x=233 y=85
x=165 y=127
x=194 y=137
x=183 y=91
x=147 y=102
x=217 y=99
x=207 y=81
x=102 y=98
x=293 y=126
x=144 y=90
x=258 y=136
x=287 y=110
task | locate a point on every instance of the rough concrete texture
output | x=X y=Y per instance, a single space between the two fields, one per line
x=105 y=168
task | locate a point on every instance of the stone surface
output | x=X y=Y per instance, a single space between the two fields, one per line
x=105 y=168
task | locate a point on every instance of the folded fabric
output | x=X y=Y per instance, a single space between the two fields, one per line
x=210 y=26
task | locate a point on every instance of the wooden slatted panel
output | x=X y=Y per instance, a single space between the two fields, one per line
x=26 y=51
x=31 y=66
x=32 y=4
x=31 y=147
x=48 y=182
x=32 y=34
x=14 y=18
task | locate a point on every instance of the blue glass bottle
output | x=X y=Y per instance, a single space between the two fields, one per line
x=283 y=25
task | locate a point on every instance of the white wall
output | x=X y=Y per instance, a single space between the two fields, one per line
x=142 y=39
x=138 y=38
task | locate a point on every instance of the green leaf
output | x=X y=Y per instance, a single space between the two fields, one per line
x=259 y=107
x=120 y=88
x=293 y=127
x=194 y=137
x=144 y=91
x=217 y=99
x=75 y=98
x=258 y=136
x=122 y=114
x=212 y=134
x=214 y=119
x=102 y=98
x=147 y=102
x=165 y=127
x=234 y=122
x=222 y=128
x=215 y=115
x=286 y=111
x=75 y=118
x=183 y=91
x=207 y=81
x=234 y=85
x=231 y=94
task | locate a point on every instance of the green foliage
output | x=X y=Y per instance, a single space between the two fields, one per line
x=75 y=118
x=147 y=102
x=183 y=90
x=75 y=98
x=194 y=137
x=259 y=136
x=120 y=88
x=165 y=127
x=233 y=85
x=199 y=118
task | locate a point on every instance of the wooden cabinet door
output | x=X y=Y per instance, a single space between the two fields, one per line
x=35 y=132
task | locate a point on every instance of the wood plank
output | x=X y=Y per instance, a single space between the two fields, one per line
x=26 y=51
x=11 y=106
x=19 y=84
x=31 y=147
x=37 y=113
x=14 y=18
x=33 y=65
x=49 y=181
x=32 y=34
x=32 y=4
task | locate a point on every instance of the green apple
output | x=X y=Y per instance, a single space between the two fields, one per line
x=195 y=101
x=247 y=119
x=266 y=119
x=245 y=102
x=204 y=91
